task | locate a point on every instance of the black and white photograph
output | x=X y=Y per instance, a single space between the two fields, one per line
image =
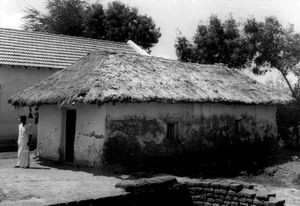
x=150 y=103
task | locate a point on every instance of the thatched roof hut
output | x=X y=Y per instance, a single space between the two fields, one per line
x=102 y=77
x=163 y=107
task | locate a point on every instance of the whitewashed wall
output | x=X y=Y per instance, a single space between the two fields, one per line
x=94 y=124
x=50 y=131
x=90 y=133
x=13 y=80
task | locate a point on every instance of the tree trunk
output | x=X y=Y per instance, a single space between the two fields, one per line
x=284 y=74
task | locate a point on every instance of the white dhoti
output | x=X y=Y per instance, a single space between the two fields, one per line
x=23 y=148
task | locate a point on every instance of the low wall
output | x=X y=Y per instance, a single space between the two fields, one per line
x=174 y=198
x=215 y=193
x=166 y=190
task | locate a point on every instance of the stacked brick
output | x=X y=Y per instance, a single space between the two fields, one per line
x=216 y=193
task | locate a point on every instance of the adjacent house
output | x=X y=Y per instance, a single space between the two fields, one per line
x=113 y=105
x=28 y=57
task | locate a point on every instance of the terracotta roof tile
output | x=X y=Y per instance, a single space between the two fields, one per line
x=24 y=48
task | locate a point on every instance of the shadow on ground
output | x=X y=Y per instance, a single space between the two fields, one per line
x=208 y=165
x=196 y=165
x=76 y=168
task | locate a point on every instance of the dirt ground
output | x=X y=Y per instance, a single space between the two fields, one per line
x=48 y=182
x=282 y=179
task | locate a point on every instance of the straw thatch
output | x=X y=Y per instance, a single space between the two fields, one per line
x=102 y=77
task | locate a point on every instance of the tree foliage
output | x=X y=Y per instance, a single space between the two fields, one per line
x=236 y=44
x=271 y=42
x=94 y=22
x=78 y=18
x=217 y=42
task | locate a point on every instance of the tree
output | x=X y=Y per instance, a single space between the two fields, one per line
x=34 y=20
x=123 y=22
x=94 y=22
x=65 y=17
x=184 y=49
x=217 y=42
x=258 y=41
x=270 y=42
x=78 y=18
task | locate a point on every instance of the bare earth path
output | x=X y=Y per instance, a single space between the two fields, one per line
x=289 y=194
x=50 y=184
x=282 y=179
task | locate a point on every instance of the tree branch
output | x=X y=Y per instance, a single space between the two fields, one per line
x=284 y=74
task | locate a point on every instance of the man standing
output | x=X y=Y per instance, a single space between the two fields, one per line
x=24 y=139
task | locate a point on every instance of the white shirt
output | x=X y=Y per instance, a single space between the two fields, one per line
x=24 y=132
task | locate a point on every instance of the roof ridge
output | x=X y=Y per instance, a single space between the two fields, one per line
x=62 y=35
x=160 y=58
x=123 y=77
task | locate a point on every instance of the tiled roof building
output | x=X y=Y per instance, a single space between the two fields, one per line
x=29 y=57
x=24 y=48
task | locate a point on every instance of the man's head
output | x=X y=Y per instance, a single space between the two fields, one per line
x=23 y=119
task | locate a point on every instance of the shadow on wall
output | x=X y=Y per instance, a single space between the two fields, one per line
x=215 y=146
x=209 y=147
x=288 y=119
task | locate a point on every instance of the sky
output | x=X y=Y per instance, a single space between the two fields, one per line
x=173 y=16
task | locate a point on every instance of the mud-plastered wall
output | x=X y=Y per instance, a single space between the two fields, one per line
x=90 y=133
x=141 y=129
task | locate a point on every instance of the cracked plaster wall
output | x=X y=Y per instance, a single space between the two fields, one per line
x=200 y=126
x=90 y=132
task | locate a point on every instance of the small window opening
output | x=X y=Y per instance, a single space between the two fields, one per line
x=172 y=132
x=36 y=115
x=237 y=126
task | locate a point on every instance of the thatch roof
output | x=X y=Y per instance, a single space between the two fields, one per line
x=102 y=77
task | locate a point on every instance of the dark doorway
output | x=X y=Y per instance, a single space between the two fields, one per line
x=70 y=134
